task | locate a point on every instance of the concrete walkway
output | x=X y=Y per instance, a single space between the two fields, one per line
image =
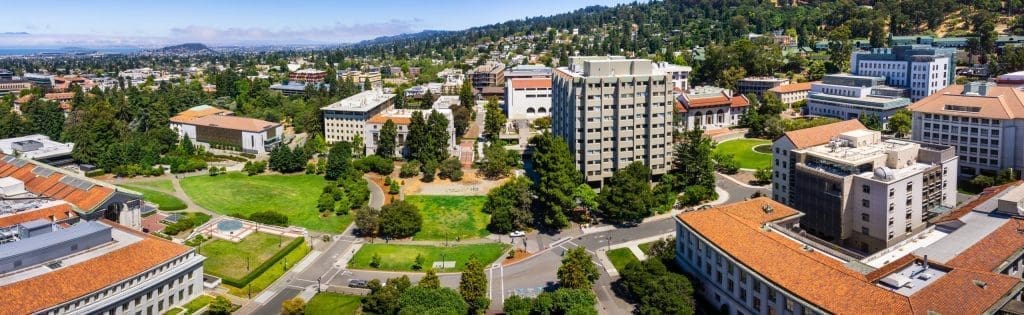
x=633 y=246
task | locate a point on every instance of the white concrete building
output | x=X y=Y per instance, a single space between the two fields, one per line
x=209 y=125
x=858 y=190
x=921 y=69
x=847 y=96
x=680 y=75
x=39 y=148
x=710 y=108
x=984 y=122
x=612 y=112
x=345 y=119
x=527 y=98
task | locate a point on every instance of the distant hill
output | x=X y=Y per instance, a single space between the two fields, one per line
x=184 y=49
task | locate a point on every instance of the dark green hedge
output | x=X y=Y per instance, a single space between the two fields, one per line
x=241 y=283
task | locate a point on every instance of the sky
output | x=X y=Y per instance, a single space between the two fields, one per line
x=148 y=23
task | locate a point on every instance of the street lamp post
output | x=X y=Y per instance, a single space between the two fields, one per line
x=318 y=283
x=608 y=239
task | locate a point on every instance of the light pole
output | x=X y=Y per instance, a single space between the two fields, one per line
x=608 y=239
x=318 y=283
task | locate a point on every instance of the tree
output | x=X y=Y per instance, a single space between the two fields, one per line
x=424 y=300
x=494 y=120
x=518 y=305
x=567 y=301
x=400 y=219
x=585 y=197
x=339 y=161
x=764 y=175
x=657 y=290
x=438 y=136
x=628 y=196
x=578 y=270
x=730 y=76
x=418 y=141
x=325 y=203
x=509 y=206
x=293 y=306
x=382 y=299
x=430 y=280
x=693 y=164
x=840 y=48
x=558 y=178
x=871 y=121
x=473 y=286
x=498 y=161
x=220 y=306
x=367 y=221
x=899 y=123
x=451 y=169
x=386 y=140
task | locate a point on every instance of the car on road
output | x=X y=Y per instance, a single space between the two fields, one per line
x=357 y=283
x=517 y=234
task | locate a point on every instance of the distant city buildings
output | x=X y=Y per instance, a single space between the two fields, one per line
x=758 y=85
x=360 y=77
x=8 y=83
x=62 y=253
x=209 y=125
x=345 y=119
x=612 y=112
x=307 y=76
x=859 y=190
x=981 y=120
x=710 y=108
x=452 y=81
x=490 y=74
x=290 y=88
x=846 y=96
x=920 y=69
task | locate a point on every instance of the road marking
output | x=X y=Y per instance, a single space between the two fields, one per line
x=502 y=283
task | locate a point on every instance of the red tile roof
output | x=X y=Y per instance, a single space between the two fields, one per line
x=59 y=212
x=52 y=187
x=690 y=102
x=228 y=122
x=1001 y=102
x=64 y=284
x=819 y=135
x=789 y=88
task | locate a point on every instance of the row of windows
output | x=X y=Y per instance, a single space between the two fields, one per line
x=973 y=120
x=130 y=283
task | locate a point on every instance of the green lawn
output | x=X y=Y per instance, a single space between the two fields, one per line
x=291 y=195
x=164 y=201
x=744 y=154
x=451 y=216
x=160 y=184
x=333 y=303
x=621 y=257
x=197 y=303
x=646 y=247
x=402 y=257
x=227 y=259
x=268 y=277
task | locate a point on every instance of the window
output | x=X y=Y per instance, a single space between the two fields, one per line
x=866 y=189
x=865 y=231
x=866 y=203
x=865 y=217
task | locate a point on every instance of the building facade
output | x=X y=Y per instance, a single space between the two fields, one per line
x=984 y=122
x=758 y=85
x=490 y=74
x=710 y=108
x=307 y=76
x=208 y=125
x=612 y=112
x=345 y=119
x=847 y=96
x=527 y=98
x=680 y=75
x=920 y=69
x=858 y=190
x=792 y=93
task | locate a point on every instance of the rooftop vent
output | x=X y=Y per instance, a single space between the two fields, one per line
x=767 y=208
x=980 y=284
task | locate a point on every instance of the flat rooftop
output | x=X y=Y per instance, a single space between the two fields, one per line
x=46 y=148
x=362 y=102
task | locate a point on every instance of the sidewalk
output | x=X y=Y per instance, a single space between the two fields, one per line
x=634 y=247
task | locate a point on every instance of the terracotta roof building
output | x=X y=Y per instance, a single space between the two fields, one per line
x=527 y=98
x=710 y=108
x=219 y=127
x=980 y=119
x=847 y=180
x=791 y=93
x=749 y=260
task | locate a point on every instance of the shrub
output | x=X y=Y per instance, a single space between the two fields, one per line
x=429 y=170
x=725 y=163
x=695 y=194
x=394 y=189
x=764 y=175
x=195 y=241
x=410 y=169
x=270 y=217
x=95 y=172
x=376 y=164
x=451 y=169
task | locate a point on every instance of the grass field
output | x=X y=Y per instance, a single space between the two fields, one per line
x=621 y=257
x=268 y=277
x=646 y=247
x=292 y=195
x=197 y=303
x=163 y=200
x=224 y=258
x=332 y=303
x=744 y=154
x=451 y=217
x=402 y=257
x=163 y=185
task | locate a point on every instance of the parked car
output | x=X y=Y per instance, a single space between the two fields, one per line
x=517 y=234
x=357 y=283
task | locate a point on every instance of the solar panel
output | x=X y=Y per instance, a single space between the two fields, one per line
x=76 y=183
x=8 y=159
x=19 y=162
x=42 y=171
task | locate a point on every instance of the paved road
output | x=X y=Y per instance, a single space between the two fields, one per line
x=376 y=193
x=324 y=267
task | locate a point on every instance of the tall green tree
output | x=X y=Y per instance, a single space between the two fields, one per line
x=473 y=286
x=628 y=196
x=558 y=178
x=494 y=120
x=438 y=136
x=386 y=140
x=657 y=290
x=840 y=48
x=430 y=280
x=418 y=141
x=899 y=123
x=693 y=165
x=509 y=206
x=339 y=161
x=578 y=270
x=400 y=219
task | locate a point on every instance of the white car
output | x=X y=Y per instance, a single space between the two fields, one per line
x=517 y=234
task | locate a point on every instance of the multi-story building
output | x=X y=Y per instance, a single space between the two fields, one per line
x=39 y=148
x=308 y=76
x=757 y=85
x=858 y=190
x=751 y=258
x=360 y=77
x=846 y=96
x=452 y=80
x=289 y=88
x=60 y=253
x=213 y=126
x=680 y=75
x=921 y=69
x=791 y=93
x=401 y=118
x=345 y=119
x=8 y=84
x=984 y=122
x=710 y=108
x=489 y=74
x=612 y=112
x=527 y=72
x=43 y=81
x=527 y=98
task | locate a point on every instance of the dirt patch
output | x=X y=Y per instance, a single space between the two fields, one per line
x=746 y=177
x=470 y=185
x=379 y=181
x=517 y=255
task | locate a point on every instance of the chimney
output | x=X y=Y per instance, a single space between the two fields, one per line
x=926 y=262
